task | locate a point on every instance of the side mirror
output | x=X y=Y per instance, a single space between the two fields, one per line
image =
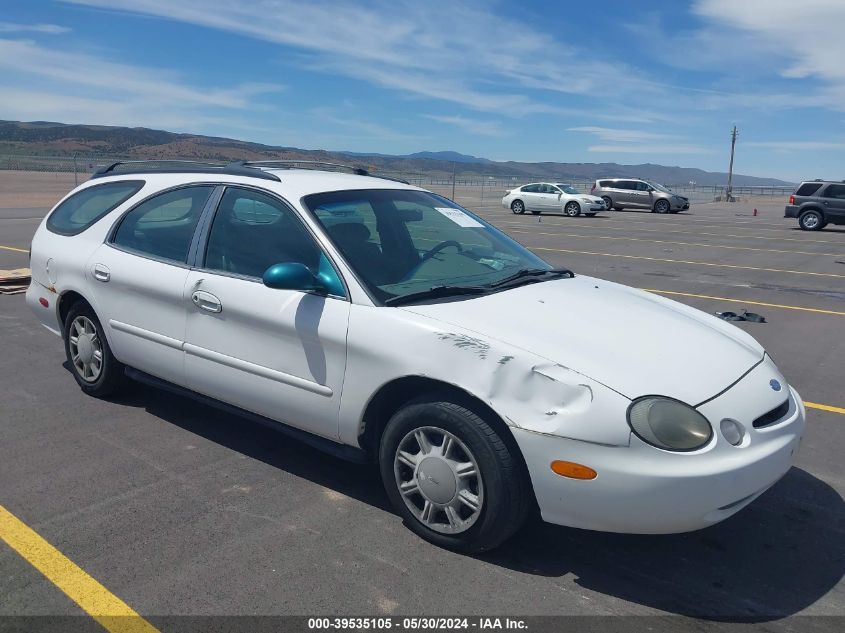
x=291 y=276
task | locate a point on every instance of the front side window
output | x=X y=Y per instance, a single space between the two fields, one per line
x=163 y=226
x=401 y=242
x=569 y=189
x=252 y=231
x=85 y=207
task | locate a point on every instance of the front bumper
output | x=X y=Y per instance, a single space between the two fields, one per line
x=643 y=490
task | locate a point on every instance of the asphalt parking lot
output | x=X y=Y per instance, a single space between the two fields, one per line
x=179 y=509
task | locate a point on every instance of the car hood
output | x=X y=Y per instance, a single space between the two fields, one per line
x=631 y=341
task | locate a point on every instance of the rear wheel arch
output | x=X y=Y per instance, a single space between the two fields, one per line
x=66 y=300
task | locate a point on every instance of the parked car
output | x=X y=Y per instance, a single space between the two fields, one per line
x=398 y=337
x=619 y=193
x=542 y=196
x=817 y=203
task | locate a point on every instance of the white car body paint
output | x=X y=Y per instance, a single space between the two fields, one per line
x=540 y=202
x=563 y=392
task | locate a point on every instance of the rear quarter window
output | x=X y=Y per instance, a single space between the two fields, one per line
x=85 y=207
x=808 y=189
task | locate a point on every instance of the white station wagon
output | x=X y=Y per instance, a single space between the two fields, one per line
x=383 y=322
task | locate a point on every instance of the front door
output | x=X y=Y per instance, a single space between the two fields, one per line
x=138 y=279
x=833 y=199
x=277 y=353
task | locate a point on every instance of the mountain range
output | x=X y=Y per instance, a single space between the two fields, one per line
x=44 y=138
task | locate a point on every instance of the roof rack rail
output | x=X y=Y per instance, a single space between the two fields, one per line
x=314 y=164
x=168 y=166
x=292 y=163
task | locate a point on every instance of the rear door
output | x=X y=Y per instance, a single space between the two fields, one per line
x=833 y=200
x=138 y=277
x=530 y=195
x=278 y=353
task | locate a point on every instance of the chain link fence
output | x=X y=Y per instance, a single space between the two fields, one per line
x=481 y=189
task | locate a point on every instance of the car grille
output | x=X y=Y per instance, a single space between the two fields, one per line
x=772 y=416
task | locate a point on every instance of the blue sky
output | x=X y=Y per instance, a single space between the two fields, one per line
x=601 y=81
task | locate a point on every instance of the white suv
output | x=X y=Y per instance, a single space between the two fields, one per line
x=382 y=322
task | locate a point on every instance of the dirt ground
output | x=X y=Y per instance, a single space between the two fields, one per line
x=35 y=189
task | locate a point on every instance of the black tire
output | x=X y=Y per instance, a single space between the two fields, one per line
x=535 y=212
x=608 y=203
x=662 y=206
x=572 y=209
x=811 y=221
x=590 y=215
x=506 y=493
x=518 y=207
x=618 y=208
x=111 y=375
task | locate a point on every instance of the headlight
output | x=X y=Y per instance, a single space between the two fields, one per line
x=668 y=424
x=587 y=200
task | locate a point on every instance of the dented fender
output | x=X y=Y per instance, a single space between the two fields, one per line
x=525 y=390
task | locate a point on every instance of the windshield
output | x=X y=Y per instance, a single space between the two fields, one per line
x=660 y=187
x=401 y=242
x=569 y=189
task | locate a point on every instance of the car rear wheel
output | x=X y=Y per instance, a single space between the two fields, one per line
x=451 y=477
x=811 y=221
x=662 y=206
x=608 y=203
x=97 y=372
x=518 y=207
x=572 y=209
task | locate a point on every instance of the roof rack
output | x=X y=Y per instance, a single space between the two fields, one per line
x=181 y=166
x=314 y=164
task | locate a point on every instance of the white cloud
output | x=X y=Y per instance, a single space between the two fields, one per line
x=655 y=149
x=473 y=126
x=619 y=135
x=438 y=50
x=49 y=29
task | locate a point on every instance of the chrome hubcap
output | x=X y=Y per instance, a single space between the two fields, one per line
x=86 y=350
x=811 y=221
x=571 y=209
x=439 y=480
x=517 y=207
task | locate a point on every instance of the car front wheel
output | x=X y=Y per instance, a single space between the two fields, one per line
x=451 y=476
x=572 y=209
x=94 y=367
x=811 y=221
x=662 y=206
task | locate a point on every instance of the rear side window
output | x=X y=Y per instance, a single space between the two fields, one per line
x=164 y=225
x=605 y=183
x=84 y=208
x=835 y=191
x=808 y=189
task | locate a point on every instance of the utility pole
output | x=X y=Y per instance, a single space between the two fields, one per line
x=729 y=196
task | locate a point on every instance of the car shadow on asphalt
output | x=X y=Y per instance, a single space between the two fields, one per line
x=773 y=559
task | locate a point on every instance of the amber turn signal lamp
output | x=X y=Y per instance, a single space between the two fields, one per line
x=573 y=470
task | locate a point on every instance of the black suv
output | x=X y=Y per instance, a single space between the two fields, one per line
x=817 y=203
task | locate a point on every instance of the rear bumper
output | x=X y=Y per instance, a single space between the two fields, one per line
x=46 y=315
x=791 y=211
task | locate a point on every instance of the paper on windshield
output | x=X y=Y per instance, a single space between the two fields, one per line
x=459 y=217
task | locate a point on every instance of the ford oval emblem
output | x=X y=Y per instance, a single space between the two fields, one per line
x=774 y=384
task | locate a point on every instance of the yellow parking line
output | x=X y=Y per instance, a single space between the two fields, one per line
x=746 y=301
x=685 y=261
x=12 y=248
x=642 y=239
x=110 y=611
x=824 y=407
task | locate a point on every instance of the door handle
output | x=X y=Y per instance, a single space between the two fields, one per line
x=206 y=301
x=101 y=273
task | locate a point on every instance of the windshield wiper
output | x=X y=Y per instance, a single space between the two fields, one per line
x=436 y=292
x=529 y=273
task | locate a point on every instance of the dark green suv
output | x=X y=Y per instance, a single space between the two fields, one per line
x=817 y=203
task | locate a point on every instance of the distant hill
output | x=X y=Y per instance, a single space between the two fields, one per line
x=45 y=138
